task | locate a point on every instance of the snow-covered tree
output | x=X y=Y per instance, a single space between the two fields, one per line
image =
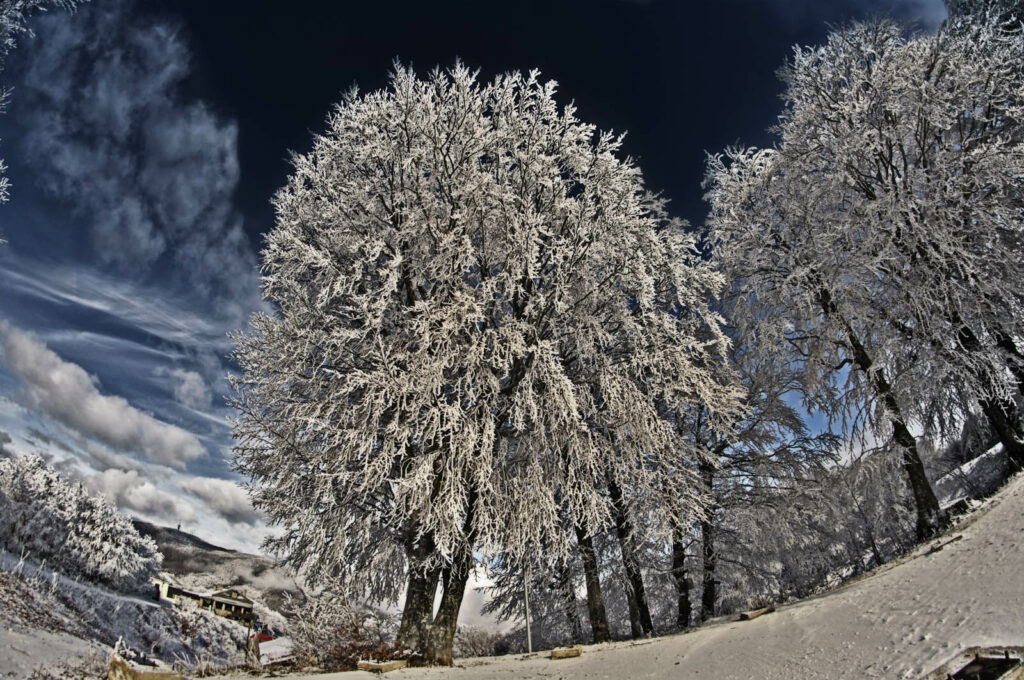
x=480 y=313
x=59 y=521
x=878 y=241
x=763 y=453
x=1008 y=11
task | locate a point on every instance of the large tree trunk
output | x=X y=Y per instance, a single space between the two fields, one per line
x=640 y=622
x=572 y=612
x=418 y=610
x=925 y=502
x=440 y=635
x=709 y=583
x=681 y=578
x=435 y=637
x=1004 y=419
x=595 y=601
x=419 y=595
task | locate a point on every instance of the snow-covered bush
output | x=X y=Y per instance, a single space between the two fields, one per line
x=832 y=526
x=475 y=641
x=331 y=634
x=58 y=521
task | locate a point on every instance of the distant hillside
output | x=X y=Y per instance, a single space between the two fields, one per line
x=166 y=536
x=195 y=563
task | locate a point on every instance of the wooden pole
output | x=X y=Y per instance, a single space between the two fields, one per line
x=526 y=597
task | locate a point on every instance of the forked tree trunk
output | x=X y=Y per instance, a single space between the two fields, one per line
x=681 y=578
x=929 y=515
x=595 y=601
x=431 y=639
x=440 y=635
x=709 y=555
x=640 y=622
x=568 y=592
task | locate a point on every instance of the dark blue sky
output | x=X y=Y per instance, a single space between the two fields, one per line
x=145 y=140
x=681 y=77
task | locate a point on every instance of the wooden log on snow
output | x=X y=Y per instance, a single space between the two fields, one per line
x=122 y=670
x=939 y=546
x=382 y=666
x=751 y=615
x=566 y=653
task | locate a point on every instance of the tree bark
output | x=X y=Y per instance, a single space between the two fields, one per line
x=709 y=583
x=440 y=635
x=681 y=578
x=572 y=612
x=419 y=596
x=925 y=502
x=595 y=601
x=418 y=610
x=640 y=622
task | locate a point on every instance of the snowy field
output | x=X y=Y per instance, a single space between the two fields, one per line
x=902 y=622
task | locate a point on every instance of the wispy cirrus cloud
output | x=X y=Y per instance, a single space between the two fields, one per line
x=190 y=389
x=67 y=393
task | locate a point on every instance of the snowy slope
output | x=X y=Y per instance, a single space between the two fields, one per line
x=901 y=622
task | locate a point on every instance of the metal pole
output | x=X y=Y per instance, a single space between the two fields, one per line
x=526 y=597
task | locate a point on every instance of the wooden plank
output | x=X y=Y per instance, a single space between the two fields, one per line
x=751 y=615
x=566 y=653
x=382 y=666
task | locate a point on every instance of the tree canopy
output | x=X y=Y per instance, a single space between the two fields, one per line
x=481 y=317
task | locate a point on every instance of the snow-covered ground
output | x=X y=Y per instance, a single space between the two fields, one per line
x=901 y=622
x=48 y=620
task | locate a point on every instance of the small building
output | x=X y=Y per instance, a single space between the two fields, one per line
x=230 y=603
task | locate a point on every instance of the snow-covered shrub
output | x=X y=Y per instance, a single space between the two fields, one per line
x=58 y=521
x=475 y=641
x=330 y=633
x=835 y=525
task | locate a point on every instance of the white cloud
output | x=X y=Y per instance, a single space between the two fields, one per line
x=68 y=394
x=190 y=389
x=129 y=491
x=109 y=132
x=227 y=499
